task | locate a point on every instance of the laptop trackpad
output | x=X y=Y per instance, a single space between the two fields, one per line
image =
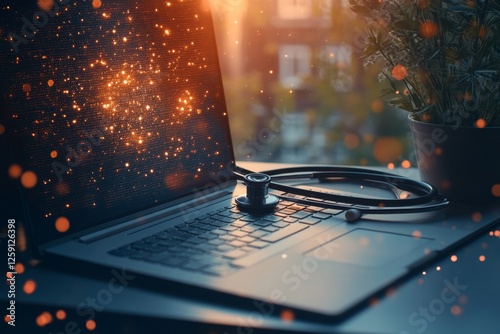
x=369 y=248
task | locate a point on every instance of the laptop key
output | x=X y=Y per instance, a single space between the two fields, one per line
x=284 y=232
x=234 y=254
x=173 y=261
x=310 y=221
x=237 y=243
x=123 y=252
x=259 y=234
x=219 y=269
x=301 y=214
x=247 y=239
x=259 y=244
x=281 y=224
x=270 y=228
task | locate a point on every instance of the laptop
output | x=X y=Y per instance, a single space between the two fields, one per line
x=120 y=147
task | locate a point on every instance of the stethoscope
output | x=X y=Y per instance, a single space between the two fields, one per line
x=412 y=196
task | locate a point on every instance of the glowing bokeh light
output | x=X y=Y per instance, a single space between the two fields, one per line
x=15 y=171
x=29 y=179
x=29 y=287
x=454 y=258
x=61 y=314
x=428 y=29
x=90 y=325
x=399 y=72
x=62 y=224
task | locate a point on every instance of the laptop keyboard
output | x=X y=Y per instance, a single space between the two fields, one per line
x=211 y=243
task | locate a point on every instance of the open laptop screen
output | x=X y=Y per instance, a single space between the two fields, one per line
x=113 y=107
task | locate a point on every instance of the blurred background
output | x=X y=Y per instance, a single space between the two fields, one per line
x=297 y=90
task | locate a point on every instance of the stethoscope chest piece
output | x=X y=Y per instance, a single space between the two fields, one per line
x=257 y=197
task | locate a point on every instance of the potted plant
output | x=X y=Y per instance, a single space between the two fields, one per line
x=441 y=60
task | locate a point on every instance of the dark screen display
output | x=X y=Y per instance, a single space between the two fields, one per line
x=112 y=106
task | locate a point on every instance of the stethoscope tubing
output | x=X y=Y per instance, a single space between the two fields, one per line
x=427 y=198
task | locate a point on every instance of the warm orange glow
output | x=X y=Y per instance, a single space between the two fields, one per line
x=399 y=72
x=406 y=164
x=373 y=302
x=387 y=149
x=456 y=310
x=351 y=141
x=53 y=154
x=482 y=258
x=7 y=318
x=44 y=319
x=90 y=325
x=454 y=258
x=416 y=234
x=477 y=217
x=480 y=123
x=62 y=224
x=50 y=83
x=438 y=151
x=61 y=314
x=428 y=29
x=29 y=287
x=96 y=4
x=29 y=179
x=45 y=5
x=438 y=268
x=497 y=233
x=15 y=171
x=391 y=166
x=2 y=129
x=495 y=190
x=423 y=4
x=26 y=88
x=364 y=241
x=377 y=106
x=19 y=268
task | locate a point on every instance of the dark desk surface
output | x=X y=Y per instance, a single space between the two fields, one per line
x=457 y=294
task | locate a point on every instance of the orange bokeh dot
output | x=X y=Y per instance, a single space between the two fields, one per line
x=7 y=318
x=287 y=316
x=482 y=258
x=391 y=166
x=416 y=234
x=15 y=171
x=377 y=106
x=29 y=179
x=438 y=151
x=96 y=3
x=399 y=72
x=406 y=164
x=387 y=149
x=61 y=314
x=29 y=287
x=53 y=154
x=495 y=190
x=476 y=217
x=480 y=123
x=44 y=319
x=428 y=29
x=45 y=5
x=2 y=129
x=50 y=83
x=20 y=268
x=456 y=310
x=90 y=325
x=351 y=141
x=62 y=224
x=26 y=87
x=454 y=258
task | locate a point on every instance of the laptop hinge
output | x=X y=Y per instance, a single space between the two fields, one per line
x=154 y=217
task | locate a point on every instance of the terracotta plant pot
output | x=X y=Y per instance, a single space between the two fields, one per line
x=463 y=163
